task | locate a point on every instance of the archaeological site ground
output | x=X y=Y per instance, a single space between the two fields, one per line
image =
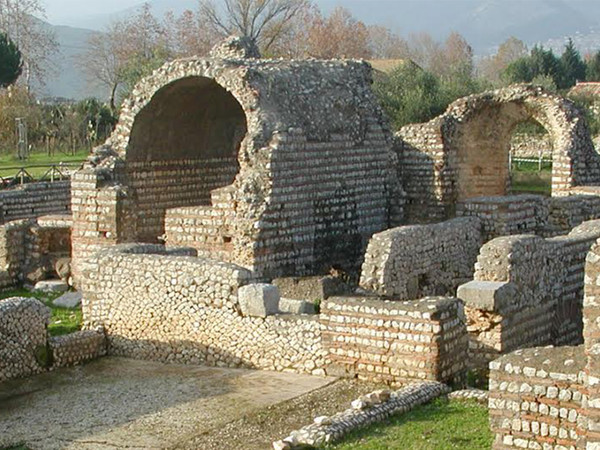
x=253 y=231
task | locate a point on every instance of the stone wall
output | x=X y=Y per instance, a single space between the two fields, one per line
x=415 y=261
x=528 y=291
x=27 y=349
x=77 y=348
x=549 y=397
x=537 y=397
x=531 y=146
x=155 y=304
x=521 y=214
x=35 y=199
x=23 y=337
x=34 y=250
x=393 y=342
x=464 y=153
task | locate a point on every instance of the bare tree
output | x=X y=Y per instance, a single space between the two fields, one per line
x=265 y=21
x=338 y=36
x=189 y=34
x=385 y=44
x=19 y=19
x=118 y=56
x=508 y=52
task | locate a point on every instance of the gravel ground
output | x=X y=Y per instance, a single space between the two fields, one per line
x=257 y=430
x=118 y=403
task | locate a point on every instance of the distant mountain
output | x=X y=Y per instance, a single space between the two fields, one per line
x=66 y=79
x=485 y=24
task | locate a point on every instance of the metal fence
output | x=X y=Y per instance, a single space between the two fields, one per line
x=16 y=176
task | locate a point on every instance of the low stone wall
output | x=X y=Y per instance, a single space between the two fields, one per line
x=35 y=249
x=23 y=337
x=154 y=304
x=536 y=398
x=531 y=146
x=504 y=216
x=528 y=291
x=34 y=200
x=77 y=348
x=414 y=261
x=393 y=342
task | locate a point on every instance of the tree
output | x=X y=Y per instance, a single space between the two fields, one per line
x=409 y=95
x=126 y=51
x=188 y=35
x=265 y=21
x=11 y=64
x=338 y=36
x=539 y=63
x=592 y=70
x=572 y=66
x=509 y=51
x=384 y=44
x=19 y=20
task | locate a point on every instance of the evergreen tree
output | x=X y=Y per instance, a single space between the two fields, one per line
x=572 y=67
x=11 y=63
x=592 y=70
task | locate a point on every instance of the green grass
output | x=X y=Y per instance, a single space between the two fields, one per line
x=36 y=159
x=439 y=425
x=526 y=179
x=63 y=320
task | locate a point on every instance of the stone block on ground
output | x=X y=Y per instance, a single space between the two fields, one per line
x=259 y=300
x=294 y=306
x=68 y=300
x=51 y=286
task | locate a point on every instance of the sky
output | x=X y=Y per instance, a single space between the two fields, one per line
x=60 y=11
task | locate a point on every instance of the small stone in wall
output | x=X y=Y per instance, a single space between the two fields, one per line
x=259 y=300
x=293 y=306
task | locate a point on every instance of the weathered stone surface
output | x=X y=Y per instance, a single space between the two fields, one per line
x=492 y=296
x=259 y=300
x=293 y=306
x=414 y=261
x=51 y=286
x=23 y=337
x=68 y=300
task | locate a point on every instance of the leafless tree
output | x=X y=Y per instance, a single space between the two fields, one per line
x=385 y=44
x=265 y=21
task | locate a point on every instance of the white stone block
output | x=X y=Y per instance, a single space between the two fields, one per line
x=259 y=300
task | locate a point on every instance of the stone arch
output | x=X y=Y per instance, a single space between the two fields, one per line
x=180 y=138
x=477 y=131
x=190 y=118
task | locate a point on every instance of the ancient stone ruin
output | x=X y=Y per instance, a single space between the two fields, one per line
x=260 y=214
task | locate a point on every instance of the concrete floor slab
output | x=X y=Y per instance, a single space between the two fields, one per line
x=121 y=403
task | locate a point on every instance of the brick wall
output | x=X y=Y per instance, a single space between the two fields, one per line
x=393 y=342
x=35 y=199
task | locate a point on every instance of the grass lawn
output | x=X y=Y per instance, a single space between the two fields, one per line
x=526 y=179
x=63 y=320
x=439 y=425
x=35 y=159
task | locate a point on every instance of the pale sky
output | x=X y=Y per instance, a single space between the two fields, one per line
x=59 y=11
